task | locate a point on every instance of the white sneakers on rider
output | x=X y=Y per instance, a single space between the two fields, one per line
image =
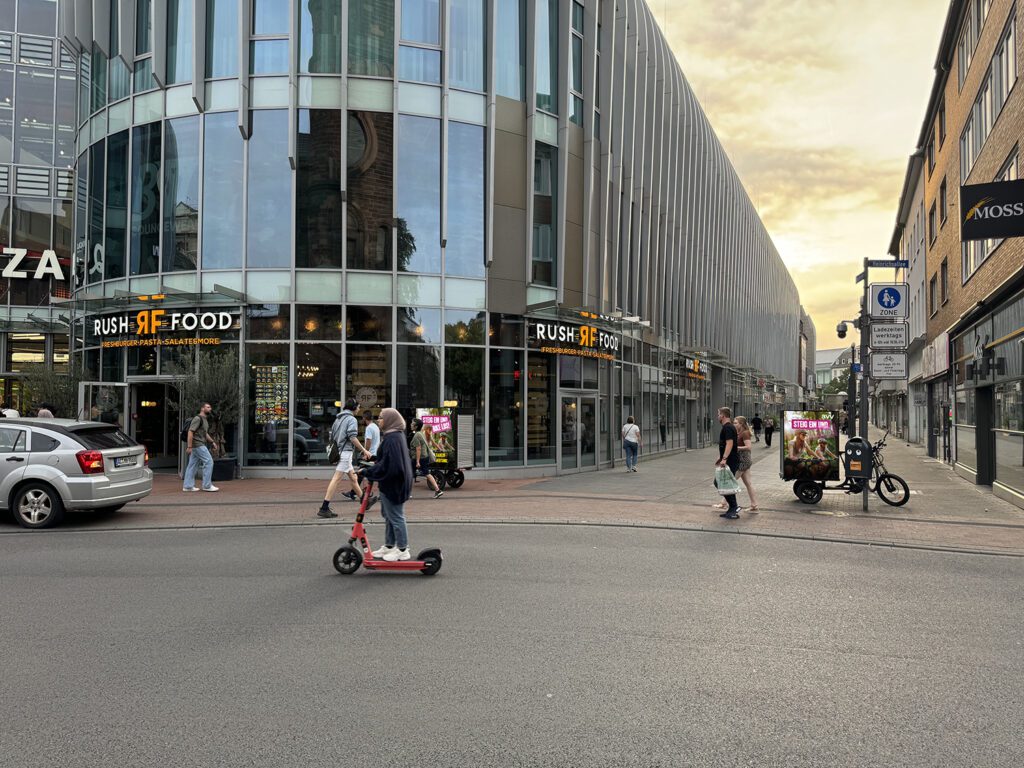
x=379 y=553
x=396 y=555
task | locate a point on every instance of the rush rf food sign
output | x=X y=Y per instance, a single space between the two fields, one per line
x=145 y=328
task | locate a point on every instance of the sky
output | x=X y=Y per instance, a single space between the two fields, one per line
x=819 y=104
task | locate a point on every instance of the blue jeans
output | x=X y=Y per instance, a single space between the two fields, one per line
x=200 y=456
x=395 y=532
x=632 y=451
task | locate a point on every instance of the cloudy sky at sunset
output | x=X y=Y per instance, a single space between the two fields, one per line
x=818 y=103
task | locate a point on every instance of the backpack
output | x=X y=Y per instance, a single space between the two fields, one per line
x=184 y=431
x=333 y=448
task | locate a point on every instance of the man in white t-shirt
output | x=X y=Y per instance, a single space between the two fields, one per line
x=371 y=433
x=631 y=443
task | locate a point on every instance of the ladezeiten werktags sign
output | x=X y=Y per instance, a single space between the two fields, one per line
x=559 y=338
x=148 y=328
x=992 y=211
x=889 y=335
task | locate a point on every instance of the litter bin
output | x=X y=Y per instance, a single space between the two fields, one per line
x=857 y=458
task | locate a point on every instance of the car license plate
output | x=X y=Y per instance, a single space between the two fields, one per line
x=124 y=461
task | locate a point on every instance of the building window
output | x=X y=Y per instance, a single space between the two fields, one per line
x=943 y=201
x=320 y=37
x=179 y=41
x=546 y=58
x=576 y=65
x=418 y=188
x=510 y=53
x=467 y=36
x=145 y=222
x=268 y=48
x=944 y=281
x=370 y=158
x=142 y=78
x=942 y=123
x=318 y=207
x=932 y=230
x=181 y=195
x=221 y=38
x=115 y=246
x=992 y=95
x=268 y=241
x=464 y=255
x=974 y=20
x=222 y=178
x=931 y=156
x=933 y=303
x=371 y=37
x=545 y=239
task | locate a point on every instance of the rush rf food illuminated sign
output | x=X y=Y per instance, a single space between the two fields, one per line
x=147 y=325
x=575 y=340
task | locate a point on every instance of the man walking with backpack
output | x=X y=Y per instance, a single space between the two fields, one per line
x=198 y=435
x=344 y=434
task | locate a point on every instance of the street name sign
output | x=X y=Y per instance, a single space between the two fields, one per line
x=889 y=365
x=892 y=263
x=856 y=368
x=889 y=301
x=889 y=335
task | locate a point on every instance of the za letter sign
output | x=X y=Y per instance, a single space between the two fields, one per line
x=888 y=301
x=993 y=210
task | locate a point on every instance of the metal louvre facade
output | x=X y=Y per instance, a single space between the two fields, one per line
x=431 y=180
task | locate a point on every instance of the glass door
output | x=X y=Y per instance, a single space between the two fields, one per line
x=103 y=401
x=588 y=432
x=578 y=432
x=570 y=433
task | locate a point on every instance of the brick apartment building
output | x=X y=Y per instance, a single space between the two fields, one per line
x=967 y=300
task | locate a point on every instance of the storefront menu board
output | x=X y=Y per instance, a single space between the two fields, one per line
x=810 y=445
x=271 y=399
x=442 y=433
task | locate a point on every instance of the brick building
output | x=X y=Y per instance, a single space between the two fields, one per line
x=970 y=375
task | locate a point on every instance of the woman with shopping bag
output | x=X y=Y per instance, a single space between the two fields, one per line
x=728 y=462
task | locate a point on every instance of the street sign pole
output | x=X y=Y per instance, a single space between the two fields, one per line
x=865 y=332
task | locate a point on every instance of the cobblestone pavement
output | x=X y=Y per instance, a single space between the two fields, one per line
x=944 y=511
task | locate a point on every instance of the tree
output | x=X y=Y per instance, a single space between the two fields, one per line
x=43 y=385
x=210 y=376
x=839 y=384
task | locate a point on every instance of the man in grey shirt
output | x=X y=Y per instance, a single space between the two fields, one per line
x=198 y=453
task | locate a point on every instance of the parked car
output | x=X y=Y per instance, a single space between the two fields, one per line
x=48 y=466
x=307 y=440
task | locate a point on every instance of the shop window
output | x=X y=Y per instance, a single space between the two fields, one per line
x=269 y=222
x=464 y=326
x=368 y=324
x=370 y=153
x=419 y=194
x=267 y=427
x=464 y=385
x=371 y=37
x=317 y=393
x=1009 y=435
x=313 y=322
x=222 y=182
x=368 y=374
x=505 y=388
x=320 y=37
x=181 y=195
x=507 y=330
x=25 y=349
x=541 y=408
x=319 y=214
x=142 y=361
x=112 y=365
x=464 y=254
x=269 y=322
x=418 y=374
x=221 y=38
x=418 y=324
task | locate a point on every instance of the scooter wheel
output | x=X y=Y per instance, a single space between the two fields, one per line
x=432 y=561
x=347 y=560
x=455 y=478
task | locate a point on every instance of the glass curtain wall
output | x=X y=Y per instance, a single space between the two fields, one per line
x=319 y=209
x=371 y=37
x=115 y=246
x=369 y=189
x=467 y=36
x=510 y=44
x=320 y=36
x=179 y=41
x=464 y=254
x=181 y=195
x=222 y=181
x=268 y=235
x=418 y=188
x=221 y=38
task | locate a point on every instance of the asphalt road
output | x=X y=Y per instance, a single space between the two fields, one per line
x=534 y=646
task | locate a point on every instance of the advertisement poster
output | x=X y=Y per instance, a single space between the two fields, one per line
x=438 y=429
x=810 y=446
x=271 y=396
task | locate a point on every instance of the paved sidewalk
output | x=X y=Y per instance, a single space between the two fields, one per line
x=944 y=512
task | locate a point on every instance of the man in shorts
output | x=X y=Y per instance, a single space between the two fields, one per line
x=344 y=432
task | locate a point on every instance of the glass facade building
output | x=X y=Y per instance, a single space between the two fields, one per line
x=535 y=222
x=37 y=154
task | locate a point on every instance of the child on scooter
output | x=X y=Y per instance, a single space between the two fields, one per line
x=393 y=473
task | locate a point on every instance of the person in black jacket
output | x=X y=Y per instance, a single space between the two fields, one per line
x=393 y=474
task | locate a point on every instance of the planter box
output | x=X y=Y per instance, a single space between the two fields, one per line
x=224 y=469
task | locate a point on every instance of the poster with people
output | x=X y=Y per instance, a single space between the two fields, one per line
x=810 y=446
x=439 y=432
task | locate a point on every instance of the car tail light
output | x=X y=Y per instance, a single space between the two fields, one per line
x=314 y=433
x=91 y=462
x=145 y=458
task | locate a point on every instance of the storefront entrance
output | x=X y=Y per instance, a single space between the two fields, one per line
x=578 y=433
x=154 y=421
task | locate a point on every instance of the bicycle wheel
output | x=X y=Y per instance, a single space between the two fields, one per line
x=893 y=490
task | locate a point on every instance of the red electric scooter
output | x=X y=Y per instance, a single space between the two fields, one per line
x=348 y=559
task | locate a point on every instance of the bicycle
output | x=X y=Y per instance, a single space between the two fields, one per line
x=891 y=488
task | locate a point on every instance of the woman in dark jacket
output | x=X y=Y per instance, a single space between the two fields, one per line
x=393 y=474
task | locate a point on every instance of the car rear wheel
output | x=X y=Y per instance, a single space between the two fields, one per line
x=37 y=505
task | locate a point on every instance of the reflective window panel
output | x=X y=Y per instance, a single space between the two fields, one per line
x=97 y=190
x=370 y=157
x=368 y=374
x=545 y=235
x=115 y=250
x=181 y=194
x=222 y=191
x=510 y=54
x=418 y=368
x=419 y=194
x=221 y=38
x=319 y=210
x=464 y=254
x=546 y=54
x=145 y=226
x=421 y=21
x=317 y=390
x=267 y=424
x=467 y=36
x=320 y=37
x=371 y=37
x=505 y=408
x=33 y=129
x=179 y=41
x=269 y=207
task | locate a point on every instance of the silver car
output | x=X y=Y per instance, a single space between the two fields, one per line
x=48 y=466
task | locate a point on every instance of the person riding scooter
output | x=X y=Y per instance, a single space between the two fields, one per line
x=392 y=471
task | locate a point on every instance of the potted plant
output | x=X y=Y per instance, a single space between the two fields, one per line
x=44 y=386
x=212 y=377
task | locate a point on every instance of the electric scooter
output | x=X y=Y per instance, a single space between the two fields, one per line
x=348 y=559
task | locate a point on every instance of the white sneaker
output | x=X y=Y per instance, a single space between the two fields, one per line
x=379 y=553
x=397 y=554
x=211 y=489
x=189 y=490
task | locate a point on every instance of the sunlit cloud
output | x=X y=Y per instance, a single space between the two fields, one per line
x=818 y=104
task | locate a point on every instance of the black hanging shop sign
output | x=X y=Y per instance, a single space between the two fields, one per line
x=992 y=211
